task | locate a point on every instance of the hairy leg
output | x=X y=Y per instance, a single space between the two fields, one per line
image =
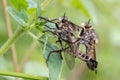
x=57 y=51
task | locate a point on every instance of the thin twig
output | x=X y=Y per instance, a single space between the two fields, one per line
x=9 y=30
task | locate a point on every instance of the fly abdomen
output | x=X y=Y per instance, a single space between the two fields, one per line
x=91 y=63
x=83 y=57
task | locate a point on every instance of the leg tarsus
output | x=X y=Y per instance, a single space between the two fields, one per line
x=61 y=56
x=53 y=52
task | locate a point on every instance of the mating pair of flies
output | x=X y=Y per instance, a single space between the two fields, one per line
x=70 y=37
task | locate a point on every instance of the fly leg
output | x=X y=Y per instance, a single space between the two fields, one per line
x=53 y=32
x=57 y=51
x=43 y=18
x=60 y=41
x=49 y=27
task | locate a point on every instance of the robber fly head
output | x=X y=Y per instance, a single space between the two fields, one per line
x=87 y=25
x=63 y=19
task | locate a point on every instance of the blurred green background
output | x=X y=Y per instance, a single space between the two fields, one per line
x=105 y=18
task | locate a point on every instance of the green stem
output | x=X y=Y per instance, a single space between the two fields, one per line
x=22 y=75
x=11 y=40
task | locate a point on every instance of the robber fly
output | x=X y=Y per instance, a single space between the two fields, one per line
x=63 y=29
x=66 y=32
x=89 y=39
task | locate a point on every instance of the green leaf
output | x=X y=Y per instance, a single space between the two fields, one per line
x=31 y=10
x=40 y=25
x=39 y=9
x=31 y=4
x=24 y=15
x=17 y=16
x=39 y=68
x=32 y=15
x=55 y=61
x=19 y=4
x=34 y=10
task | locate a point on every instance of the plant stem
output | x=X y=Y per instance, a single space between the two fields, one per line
x=34 y=45
x=9 y=30
x=11 y=40
x=22 y=75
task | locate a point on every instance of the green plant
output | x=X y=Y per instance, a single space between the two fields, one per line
x=27 y=18
x=25 y=14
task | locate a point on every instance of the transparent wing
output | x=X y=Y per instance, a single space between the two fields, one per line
x=92 y=51
x=92 y=63
x=69 y=59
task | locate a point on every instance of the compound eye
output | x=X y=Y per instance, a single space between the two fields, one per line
x=88 y=26
x=65 y=19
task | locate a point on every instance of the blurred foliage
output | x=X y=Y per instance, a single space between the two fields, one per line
x=105 y=20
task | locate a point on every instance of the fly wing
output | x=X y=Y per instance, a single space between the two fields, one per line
x=69 y=59
x=92 y=63
x=92 y=51
x=93 y=42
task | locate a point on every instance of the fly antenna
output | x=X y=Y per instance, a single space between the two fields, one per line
x=64 y=15
x=88 y=21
